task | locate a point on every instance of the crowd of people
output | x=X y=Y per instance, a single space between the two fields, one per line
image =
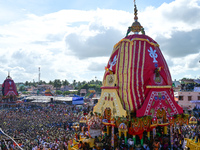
x=39 y=127
x=189 y=86
x=50 y=127
x=160 y=141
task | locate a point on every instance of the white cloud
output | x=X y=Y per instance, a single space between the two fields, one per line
x=179 y=15
x=75 y=44
x=176 y=27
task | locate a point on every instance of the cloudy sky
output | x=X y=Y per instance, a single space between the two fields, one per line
x=73 y=39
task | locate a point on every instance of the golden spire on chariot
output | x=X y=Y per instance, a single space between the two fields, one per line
x=136 y=26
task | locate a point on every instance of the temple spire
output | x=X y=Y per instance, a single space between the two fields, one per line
x=136 y=27
x=8 y=75
x=135 y=12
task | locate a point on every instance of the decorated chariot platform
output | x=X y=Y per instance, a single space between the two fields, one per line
x=137 y=96
x=192 y=144
x=9 y=93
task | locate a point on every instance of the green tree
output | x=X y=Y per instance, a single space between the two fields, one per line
x=50 y=82
x=25 y=92
x=98 y=88
x=91 y=82
x=22 y=88
x=85 y=86
x=83 y=83
x=79 y=84
x=74 y=84
x=74 y=92
x=58 y=92
x=40 y=82
x=66 y=93
x=34 y=83
x=65 y=82
x=43 y=82
x=26 y=83
x=57 y=83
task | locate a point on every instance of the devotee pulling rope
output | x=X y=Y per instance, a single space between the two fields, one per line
x=10 y=138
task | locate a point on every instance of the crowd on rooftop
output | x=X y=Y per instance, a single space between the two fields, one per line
x=189 y=86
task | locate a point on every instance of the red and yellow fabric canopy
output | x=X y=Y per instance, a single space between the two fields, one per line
x=141 y=70
x=9 y=88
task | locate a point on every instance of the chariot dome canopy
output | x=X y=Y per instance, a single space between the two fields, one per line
x=138 y=71
x=9 y=87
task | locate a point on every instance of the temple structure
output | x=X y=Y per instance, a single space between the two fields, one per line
x=9 y=91
x=137 y=87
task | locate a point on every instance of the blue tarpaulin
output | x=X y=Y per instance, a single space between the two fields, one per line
x=197 y=81
x=77 y=100
x=76 y=95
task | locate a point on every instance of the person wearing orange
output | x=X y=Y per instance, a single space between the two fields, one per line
x=156 y=144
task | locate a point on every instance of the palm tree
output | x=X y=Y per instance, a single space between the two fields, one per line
x=57 y=83
x=50 y=82
x=74 y=83
x=26 y=83
x=65 y=82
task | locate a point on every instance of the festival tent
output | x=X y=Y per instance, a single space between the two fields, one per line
x=75 y=100
x=48 y=93
x=41 y=101
x=46 y=99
